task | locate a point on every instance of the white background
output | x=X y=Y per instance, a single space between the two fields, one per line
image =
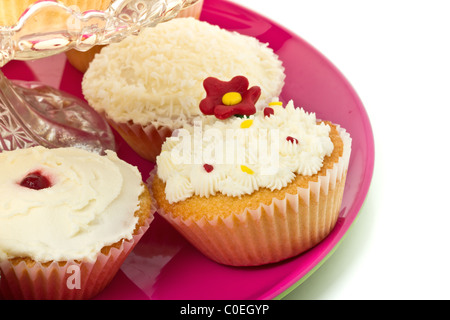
x=396 y=54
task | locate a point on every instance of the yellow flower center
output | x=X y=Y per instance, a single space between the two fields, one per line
x=231 y=98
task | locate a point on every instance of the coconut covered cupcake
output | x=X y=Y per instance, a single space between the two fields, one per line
x=68 y=220
x=249 y=187
x=149 y=85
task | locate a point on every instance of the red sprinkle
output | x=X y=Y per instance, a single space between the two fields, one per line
x=208 y=167
x=36 y=181
x=268 y=112
x=292 y=140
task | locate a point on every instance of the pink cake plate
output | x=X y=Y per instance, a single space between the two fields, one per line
x=164 y=265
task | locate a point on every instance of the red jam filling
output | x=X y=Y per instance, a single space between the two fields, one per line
x=208 y=168
x=36 y=180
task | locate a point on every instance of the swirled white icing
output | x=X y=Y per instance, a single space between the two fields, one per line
x=268 y=154
x=90 y=203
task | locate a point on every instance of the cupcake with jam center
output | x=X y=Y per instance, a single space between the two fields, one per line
x=68 y=220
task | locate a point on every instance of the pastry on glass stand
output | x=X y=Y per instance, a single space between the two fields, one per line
x=13 y=9
x=35 y=114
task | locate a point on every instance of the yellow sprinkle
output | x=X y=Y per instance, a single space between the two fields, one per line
x=231 y=98
x=275 y=103
x=247 y=169
x=246 y=124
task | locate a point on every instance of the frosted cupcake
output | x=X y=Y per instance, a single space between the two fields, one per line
x=149 y=85
x=249 y=187
x=68 y=220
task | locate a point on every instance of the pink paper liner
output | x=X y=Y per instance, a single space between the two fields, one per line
x=270 y=233
x=73 y=280
x=145 y=140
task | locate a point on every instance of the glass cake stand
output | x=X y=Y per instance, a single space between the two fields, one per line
x=34 y=114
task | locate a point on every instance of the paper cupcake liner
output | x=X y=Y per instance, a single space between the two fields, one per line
x=71 y=280
x=274 y=232
x=145 y=140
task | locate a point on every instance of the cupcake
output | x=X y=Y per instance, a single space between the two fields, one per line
x=68 y=220
x=250 y=187
x=81 y=60
x=149 y=85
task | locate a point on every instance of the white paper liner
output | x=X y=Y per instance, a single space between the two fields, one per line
x=268 y=234
x=71 y=280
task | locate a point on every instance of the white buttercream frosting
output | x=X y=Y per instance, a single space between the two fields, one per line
x=90 y=203
x=243 y=154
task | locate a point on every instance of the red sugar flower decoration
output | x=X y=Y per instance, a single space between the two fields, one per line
x=228 y=98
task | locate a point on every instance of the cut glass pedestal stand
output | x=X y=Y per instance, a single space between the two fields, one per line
x=34 y=114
